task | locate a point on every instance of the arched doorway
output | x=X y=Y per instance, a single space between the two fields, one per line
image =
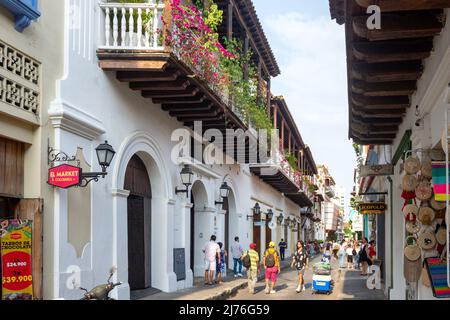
x=201 y=228
x=231 y=229
x=137 y=181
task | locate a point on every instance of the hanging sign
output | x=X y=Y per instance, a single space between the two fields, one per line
x=372 y=208
x=64 y=176
x=377 y=170
x=259 y=223
x=15 y=244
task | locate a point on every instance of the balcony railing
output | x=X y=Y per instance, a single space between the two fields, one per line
x=293 y=175
x=132 y=25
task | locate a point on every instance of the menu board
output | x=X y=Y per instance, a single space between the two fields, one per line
x=15 y=248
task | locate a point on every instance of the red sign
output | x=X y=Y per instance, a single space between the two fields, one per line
x=64 y=176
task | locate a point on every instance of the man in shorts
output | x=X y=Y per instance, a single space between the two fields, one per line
x=212 y=252
x=272 y=267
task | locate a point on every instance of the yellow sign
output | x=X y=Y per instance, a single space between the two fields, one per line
x=372 y=208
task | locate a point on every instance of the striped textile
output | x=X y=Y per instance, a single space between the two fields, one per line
x=254 y=258
x=438 y=173
x=437 y=271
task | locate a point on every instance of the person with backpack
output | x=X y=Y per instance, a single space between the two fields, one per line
x=250 y=260
x=364 y=256
x=272 y=267
x=300 y=262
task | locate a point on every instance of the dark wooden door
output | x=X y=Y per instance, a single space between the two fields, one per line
x=139 y=224
x=257 y=233
x=268 y=234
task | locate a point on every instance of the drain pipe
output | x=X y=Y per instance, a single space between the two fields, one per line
x=391 y=206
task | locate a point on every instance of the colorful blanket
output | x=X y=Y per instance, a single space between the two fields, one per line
x=438 y=173
x=437 y=271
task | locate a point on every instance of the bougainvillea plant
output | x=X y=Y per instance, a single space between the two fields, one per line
x=196 y=43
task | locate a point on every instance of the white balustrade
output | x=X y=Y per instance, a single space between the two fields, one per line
x=132 y=25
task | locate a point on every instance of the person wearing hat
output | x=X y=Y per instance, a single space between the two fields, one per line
x=253 y=271
x=272 y=267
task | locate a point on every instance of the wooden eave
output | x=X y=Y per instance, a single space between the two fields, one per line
x=278 y=180
x=384 y=65
x=300 y=198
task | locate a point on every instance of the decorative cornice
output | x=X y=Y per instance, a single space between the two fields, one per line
x=72 y=119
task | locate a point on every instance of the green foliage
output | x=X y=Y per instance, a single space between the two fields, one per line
x=292 y=160
x=213 y=17
x=244 y=91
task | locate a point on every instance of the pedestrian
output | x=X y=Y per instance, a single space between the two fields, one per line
x=349 y=252
x=326 y=256
x=283 y=247
x=364 y=257
x=272 y=267
x=356 y=255
x=372 y=252
x=220 y=263
x=335 y=249
x=212 y=252
x=252 y=258
x=300 y=261
x=342 y=254
x=237 y=250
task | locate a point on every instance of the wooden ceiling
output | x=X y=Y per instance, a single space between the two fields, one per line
x=385 y=64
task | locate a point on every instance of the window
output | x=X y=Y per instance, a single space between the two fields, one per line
x=24 y=12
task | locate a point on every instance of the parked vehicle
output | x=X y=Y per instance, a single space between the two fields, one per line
x=101 y=292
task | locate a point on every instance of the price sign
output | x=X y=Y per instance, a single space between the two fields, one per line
x=17 y=278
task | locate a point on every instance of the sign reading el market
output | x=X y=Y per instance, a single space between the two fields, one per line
x=372 y=208
x=64 y=176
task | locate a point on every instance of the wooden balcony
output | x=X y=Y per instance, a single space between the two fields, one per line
x=133 y=49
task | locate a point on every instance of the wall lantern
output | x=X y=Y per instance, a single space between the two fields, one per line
x=269 y=215
x=256 y=211
x=105 y=154
x=224 y=193
x=280 y=218
x=186 y=175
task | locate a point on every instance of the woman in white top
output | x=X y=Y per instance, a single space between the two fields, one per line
x=349 y=252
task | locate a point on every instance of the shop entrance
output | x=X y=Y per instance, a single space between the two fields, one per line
x=257 y=232
x=137 y=181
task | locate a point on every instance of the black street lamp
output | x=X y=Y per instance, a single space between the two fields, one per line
x=256 y=211
x=224 y=193
x=269 y=215
x=280 y=219
x=186 y=175
x=105 y=154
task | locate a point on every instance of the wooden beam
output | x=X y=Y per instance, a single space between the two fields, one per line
x=404 y=5
x=148 y=76
x=399 y=26
x=190 y=113
x=230 y=22
x=383 y=89
x=385 y=51
x=380 y=102
x=366 y=113
x=180 y=84
x=387 y=71
x=132 y=65
x=199 y=98
x=200 y=106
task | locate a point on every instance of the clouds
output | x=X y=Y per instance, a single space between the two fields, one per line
x=310 y=50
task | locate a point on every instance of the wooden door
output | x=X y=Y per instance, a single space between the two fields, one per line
x=268 y=234
x=139 y=224
x=257 y=233
x=31 y=209
x=11 y=168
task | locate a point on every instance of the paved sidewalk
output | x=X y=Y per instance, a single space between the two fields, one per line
x=230 y=287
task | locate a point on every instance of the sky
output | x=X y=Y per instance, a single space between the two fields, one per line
x=310 y=50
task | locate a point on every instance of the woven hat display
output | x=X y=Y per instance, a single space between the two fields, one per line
x=412 y=227
x=426 y=169
x=412 y=165
x=412 y=251
x=437 y=205
x=441 y=235
x=410 y=211
x=409 y=183
x=427 y=240
x=424 y=191
x=426 y=215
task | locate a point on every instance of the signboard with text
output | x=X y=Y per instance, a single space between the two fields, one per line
x=372 y=208
x=377 y=170
x=15 y=244
x=64 y=176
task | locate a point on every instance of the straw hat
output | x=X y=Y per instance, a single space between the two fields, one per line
x=412 y=165
x=437 y=205
x=426 y=170
x=409 y=183
x=410 y=208
x=424 y=191
x=412 y=251
x=426 y=215
x=412 y=227
x=441 y=235
x=427 y=240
